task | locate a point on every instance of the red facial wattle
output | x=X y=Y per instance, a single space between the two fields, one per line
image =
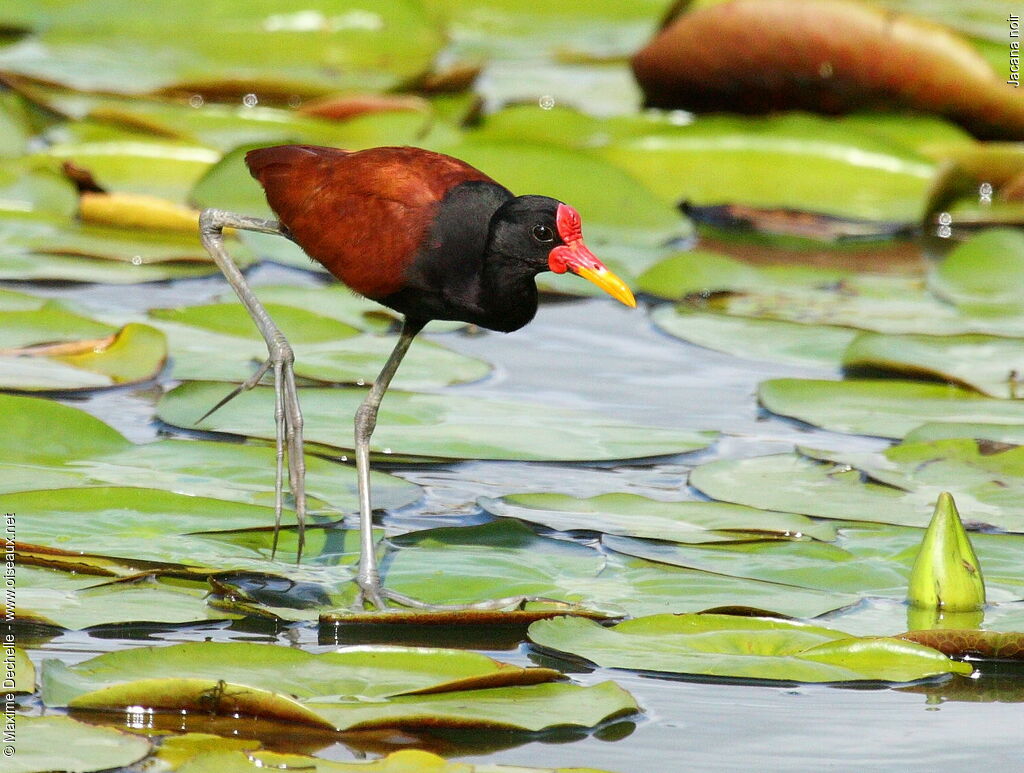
x=575 y=256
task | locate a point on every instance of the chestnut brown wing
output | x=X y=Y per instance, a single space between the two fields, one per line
x=364 y=215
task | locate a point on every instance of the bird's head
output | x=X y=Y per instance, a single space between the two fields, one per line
x=548 y=236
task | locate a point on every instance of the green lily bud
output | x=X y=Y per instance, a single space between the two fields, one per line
x=946 y=573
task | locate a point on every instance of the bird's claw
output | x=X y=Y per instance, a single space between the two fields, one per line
x=288 y=421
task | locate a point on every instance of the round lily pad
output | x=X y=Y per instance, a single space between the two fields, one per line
x=883 y=408
x=743 y=647
x=435 y=425
x=61 y=743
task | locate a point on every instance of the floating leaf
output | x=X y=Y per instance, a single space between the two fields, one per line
x=221 y=342
x=75 y=602
x=49 y=445
x=637 y=516
x=24 y=671
x=997 y=433
x=946 y=574
x=61 y=743
x=865 y=559
x=706 y=273
x=829 y=56
x=435 y=425
x=138 y=164
x=835 y=490
x=360 y=687
x=118 y=47
x=47 y=323
x=743 y=647
x=971 y=643
x=137 y=523
x=986 y=364
x=535 y=708
x=794 y=160
x=808 y=346
x=353 y=673
x=473 y=564
x=133 y=354
x=404 y=761
x=980 y=274
x=31 y=187
x=882 y=408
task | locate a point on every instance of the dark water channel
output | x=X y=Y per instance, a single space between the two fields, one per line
x=595 y=354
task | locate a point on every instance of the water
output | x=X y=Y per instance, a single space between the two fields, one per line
x=600 y=356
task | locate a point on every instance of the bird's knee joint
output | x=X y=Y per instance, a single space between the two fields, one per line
x=211 y=221
x=366 y=419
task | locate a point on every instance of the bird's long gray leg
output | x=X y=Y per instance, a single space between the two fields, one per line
x=368 y=577
x=287 y=414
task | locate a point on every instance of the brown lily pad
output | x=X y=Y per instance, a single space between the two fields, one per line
x=828 y=56
x=959 y=643
x=460 y=617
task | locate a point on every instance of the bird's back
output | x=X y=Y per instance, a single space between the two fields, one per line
x=364 y=215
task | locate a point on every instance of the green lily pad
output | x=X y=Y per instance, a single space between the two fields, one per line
x=745 y=648
x=435 y=425
x=138 y=523
x=49 y=445
x=61 y=743
x=359 y=687
x=46 y=595
x=404 y=761
x=118 y=47
x=133 y=354
x=33 y=247
x=792 y=160
x=514 y=27
x=473 y=564
x=980 y=274
x=48 y=322
x=220 y=342
x=24 y=671
x=636 y=516
x=883 y=408
x=221 y=127
x=810 y=346
x=355 y=673
x=865 y=560
x=138 y=164
x=986 y=364
x=27 y=186
x=999 y=433
x=22 y=266
x=15 y=129
x=533 y=708
x=12 y=300
x=834 y=489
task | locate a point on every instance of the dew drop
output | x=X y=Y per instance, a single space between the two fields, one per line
x=250 y=100
x=546 y=102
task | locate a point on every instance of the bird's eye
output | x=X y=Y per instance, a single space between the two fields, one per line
x=543 y=234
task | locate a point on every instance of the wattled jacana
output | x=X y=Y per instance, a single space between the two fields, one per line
x=420 y=232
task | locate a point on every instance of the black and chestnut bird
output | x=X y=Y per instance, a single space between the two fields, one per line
x=420 y=232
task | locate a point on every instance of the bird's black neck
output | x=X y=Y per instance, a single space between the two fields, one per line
x=458 y=276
